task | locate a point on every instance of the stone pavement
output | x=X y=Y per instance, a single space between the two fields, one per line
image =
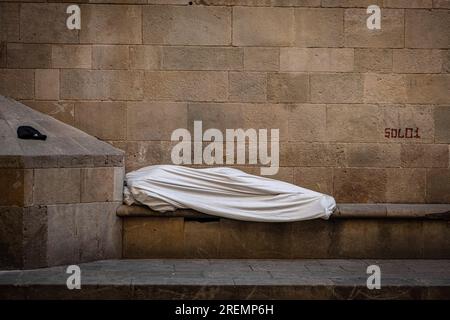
x=233 y=279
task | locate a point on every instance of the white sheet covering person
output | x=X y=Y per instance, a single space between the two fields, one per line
x=224 y=192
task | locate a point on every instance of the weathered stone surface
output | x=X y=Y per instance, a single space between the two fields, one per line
x=438 y=186
x=425 y=155
x=46 y=84
x=56 y=185
x=428 y=88
x=71 y=56
x=315 y=178
x=186 y=85
x=19 y=55
x=336 y=88
x=247 y=86
x=389 y=36
x=145 y=153
x=441 y=124
x=9 y=21
x=63 y=111
x=316 y=59
x=319 y=27
x=111 y=24
x=405 y=185
x=101 y=84
x=3 y=54
x=263 y=26
x=372 y=155
x=104 y=120
x=441 y=4
x=202 y=58
x=437 y=242
x=307 y=122
x=417 y=61
x=350 y=3
x=373 y=60
x=360 y=185
x=110 y=57
x=155 y=120
x=427 y=28
x=145 y=57
x=17 y=83
x=408 y=3
x=201 y=239
x=97 y=184
x=384 y=88
x=288 y=87
x=11 y=237
x=16 y=187
x=185 y=25
x=46 y=23
x=298 y=154
x=34 y=230
x=261 y=59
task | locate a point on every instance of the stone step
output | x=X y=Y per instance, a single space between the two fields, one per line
x=356 y=231
x=233 y=279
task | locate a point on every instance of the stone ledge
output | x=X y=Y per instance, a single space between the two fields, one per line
x=343 y=211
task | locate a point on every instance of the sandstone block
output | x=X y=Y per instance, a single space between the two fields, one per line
x=247 y=86
x=358 y=35
x=46 y=23
x=441 y=4
x=384 y=88
x=201 y=239
x=63 y=111
x=302 y=154
x=16 y=187
x=441 y=124
x=72 y=56
x=373 y=60
x=16 y=83
x=101 y=84
x=104 y=120
x=155 y=120
x=202 y=58
x=46 y=84
x=261 y=59
x=405 y=185
x=336 y=88
x=428 y=88
x=315 y=178
x=111 y=24
x=438 y=186
x=97 y=184
x=110 y=57
x=427 y=29
x=145 y=57
x=350 y=3
x=9 y=21
x=288 y=87
x=186 y=85
x=56 y=185
x=263 y=26
x=319 y=27
x=372 y=155
x=28 y=55
x=408 y=3
x=307 y=122
x=425 y=155
x=187 y=25
x=11 y=237
x=417 y=61
x=316 y=59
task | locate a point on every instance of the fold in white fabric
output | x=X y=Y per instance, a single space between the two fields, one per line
x=224 y=192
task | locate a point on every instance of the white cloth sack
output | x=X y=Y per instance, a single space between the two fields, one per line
x=224 y=192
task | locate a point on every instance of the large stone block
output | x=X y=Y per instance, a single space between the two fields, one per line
x=428 y=88
x=187 y=25
x=405 y=185
x=288 y=87
x=441 y=124
x=261 y=59
x=111 y=24
x=46 y=23
x=155 y=120
x=438 y=186
x=425 y=155
x=16 y=83
x=11 y=237
x=441 y=4
x=186 y=85
x=307 y=122
x=34 y=241
x=63 y=111
x=100 y=184
x=417 y=61
x=104 y=120
x=358 y=35
x=247 y=86
x=56 y=185
x=46 y=84
x=360 y=185
x=72 y=56
x=201 y=239
x=336 y=88
x=408 y=3
x=145 y=57
x=372 y=155
x=263 y=26
x=302 y=154
x=373 y=60
x=16 y=187
x=316 y=59
x=315 y=178
x=350 y=3
x=101 y=84
x=427 y=28
x=110 y=57
x=384 y=88
x=202 y=58
x=29 y=55
x=9 y=21
x=319 y=27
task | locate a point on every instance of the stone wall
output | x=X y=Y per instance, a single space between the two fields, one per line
x=138 y=69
